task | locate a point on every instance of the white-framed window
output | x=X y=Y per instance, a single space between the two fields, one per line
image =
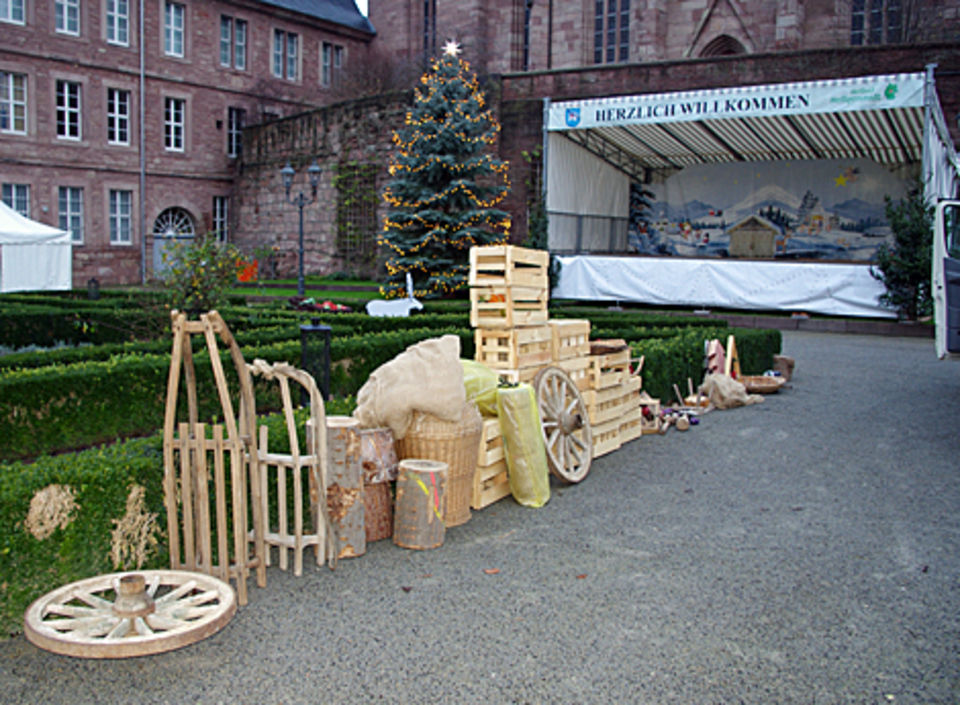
x=17 y=196
x=173 y=19
x=118 y=22
x=876 y=22
x=286 y=55
x=67 y=16
x=70 y=208
x=13 y=103
x=331 y=61
x=11 y=11
x=120 y=216
x=221 y=213
x=118 y=116
x=174 y=110
x=68 y=110
x=235 y=120
x=233 y=43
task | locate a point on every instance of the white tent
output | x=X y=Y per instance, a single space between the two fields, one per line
x=595 y=147
x=33 y=256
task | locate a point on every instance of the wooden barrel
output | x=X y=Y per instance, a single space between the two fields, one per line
x=377 y=511
x=345 y=486
x=378 y=455
x=420 y=503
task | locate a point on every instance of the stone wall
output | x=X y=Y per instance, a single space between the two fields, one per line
x=360 y=130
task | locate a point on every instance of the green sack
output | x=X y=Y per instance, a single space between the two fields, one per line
x=523 y=445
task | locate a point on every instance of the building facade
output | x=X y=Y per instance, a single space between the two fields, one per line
x=123 y=121
x=503 y=36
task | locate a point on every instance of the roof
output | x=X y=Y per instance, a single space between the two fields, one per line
x=341 y=12
x=876 y=117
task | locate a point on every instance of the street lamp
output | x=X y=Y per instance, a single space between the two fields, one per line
x=300 y=201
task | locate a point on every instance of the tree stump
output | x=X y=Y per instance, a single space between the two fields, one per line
x=345 y=486
x=420 y=504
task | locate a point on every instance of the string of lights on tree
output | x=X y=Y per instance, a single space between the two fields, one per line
x=445 y=183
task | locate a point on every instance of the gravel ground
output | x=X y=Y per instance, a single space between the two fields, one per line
x=803 y=550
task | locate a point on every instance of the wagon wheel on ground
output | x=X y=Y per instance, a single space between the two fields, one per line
x=565 y=424
x=129 y=614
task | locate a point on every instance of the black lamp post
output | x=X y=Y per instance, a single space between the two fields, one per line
x=300 y=201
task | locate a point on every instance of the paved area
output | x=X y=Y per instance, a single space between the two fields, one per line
x=804 y=550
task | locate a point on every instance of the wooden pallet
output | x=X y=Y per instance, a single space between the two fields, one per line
x=513 y=348
x=490 y=481
x=571 y=338
x=509 y=265
x=508 y=306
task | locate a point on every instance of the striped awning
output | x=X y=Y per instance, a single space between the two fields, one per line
x=875 y=117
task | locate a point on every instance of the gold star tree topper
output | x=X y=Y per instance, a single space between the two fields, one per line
x=452 y=47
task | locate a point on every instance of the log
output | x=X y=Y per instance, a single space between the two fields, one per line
x=345 y=486
x=377 y=511
x=420 y=504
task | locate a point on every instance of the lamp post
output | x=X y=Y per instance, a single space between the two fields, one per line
x=300 y=201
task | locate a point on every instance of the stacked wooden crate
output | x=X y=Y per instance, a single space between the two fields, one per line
x=490 y=481
x=509 y=290
x=612 y=396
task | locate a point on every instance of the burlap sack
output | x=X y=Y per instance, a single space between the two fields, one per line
x=725 y=392
x=425 y=377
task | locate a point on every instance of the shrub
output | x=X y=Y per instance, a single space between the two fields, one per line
x=200 y=272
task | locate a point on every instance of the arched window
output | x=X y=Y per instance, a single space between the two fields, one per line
x=724 y=45
x=174 y=222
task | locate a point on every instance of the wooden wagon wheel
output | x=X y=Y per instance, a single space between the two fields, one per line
x=129 y=614
x=565 y=424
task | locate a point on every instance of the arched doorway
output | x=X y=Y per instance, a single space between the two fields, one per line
x=172 y=225
x=724 y=45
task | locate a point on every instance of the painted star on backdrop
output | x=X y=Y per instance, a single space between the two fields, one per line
x=452 y=47
x=840 y=180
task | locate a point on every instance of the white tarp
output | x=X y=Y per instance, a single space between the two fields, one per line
x=579 y=184
x=33 y=256
x=904 y=90
x=814 y=287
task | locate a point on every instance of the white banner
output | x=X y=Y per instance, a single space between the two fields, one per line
x=841 y=95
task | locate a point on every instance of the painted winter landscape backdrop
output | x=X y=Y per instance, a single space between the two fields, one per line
x=825 y=209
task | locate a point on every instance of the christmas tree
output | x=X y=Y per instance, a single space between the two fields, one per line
x=446 y=183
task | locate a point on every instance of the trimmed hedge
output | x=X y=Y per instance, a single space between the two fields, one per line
x=101 y=479
x=57 y=408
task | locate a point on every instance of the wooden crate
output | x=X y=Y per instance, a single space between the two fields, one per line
x=576 y=368
x=631 y=425
x=508 y=306
x=571 y=338
x=606 y=437
x=513 y=348
x=649 y=424
x=490 y=481
x=612 y=403
x=608 y=369
x=509 y=265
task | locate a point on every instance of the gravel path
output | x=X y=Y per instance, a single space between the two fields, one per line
x=804 y=550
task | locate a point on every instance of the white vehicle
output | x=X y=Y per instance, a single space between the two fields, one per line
x=946 y=279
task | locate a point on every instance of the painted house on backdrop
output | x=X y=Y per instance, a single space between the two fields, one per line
x=130 y=159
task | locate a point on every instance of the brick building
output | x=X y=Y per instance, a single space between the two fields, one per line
x=126 y=129
x=502 y=36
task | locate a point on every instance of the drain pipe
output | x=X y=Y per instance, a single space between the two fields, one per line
x=549 y=35
x=143 y=158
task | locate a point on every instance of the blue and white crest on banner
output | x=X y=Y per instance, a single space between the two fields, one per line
x=573 y=117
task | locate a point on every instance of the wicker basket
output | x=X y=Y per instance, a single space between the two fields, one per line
x=761 y=384
x=454 y=443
